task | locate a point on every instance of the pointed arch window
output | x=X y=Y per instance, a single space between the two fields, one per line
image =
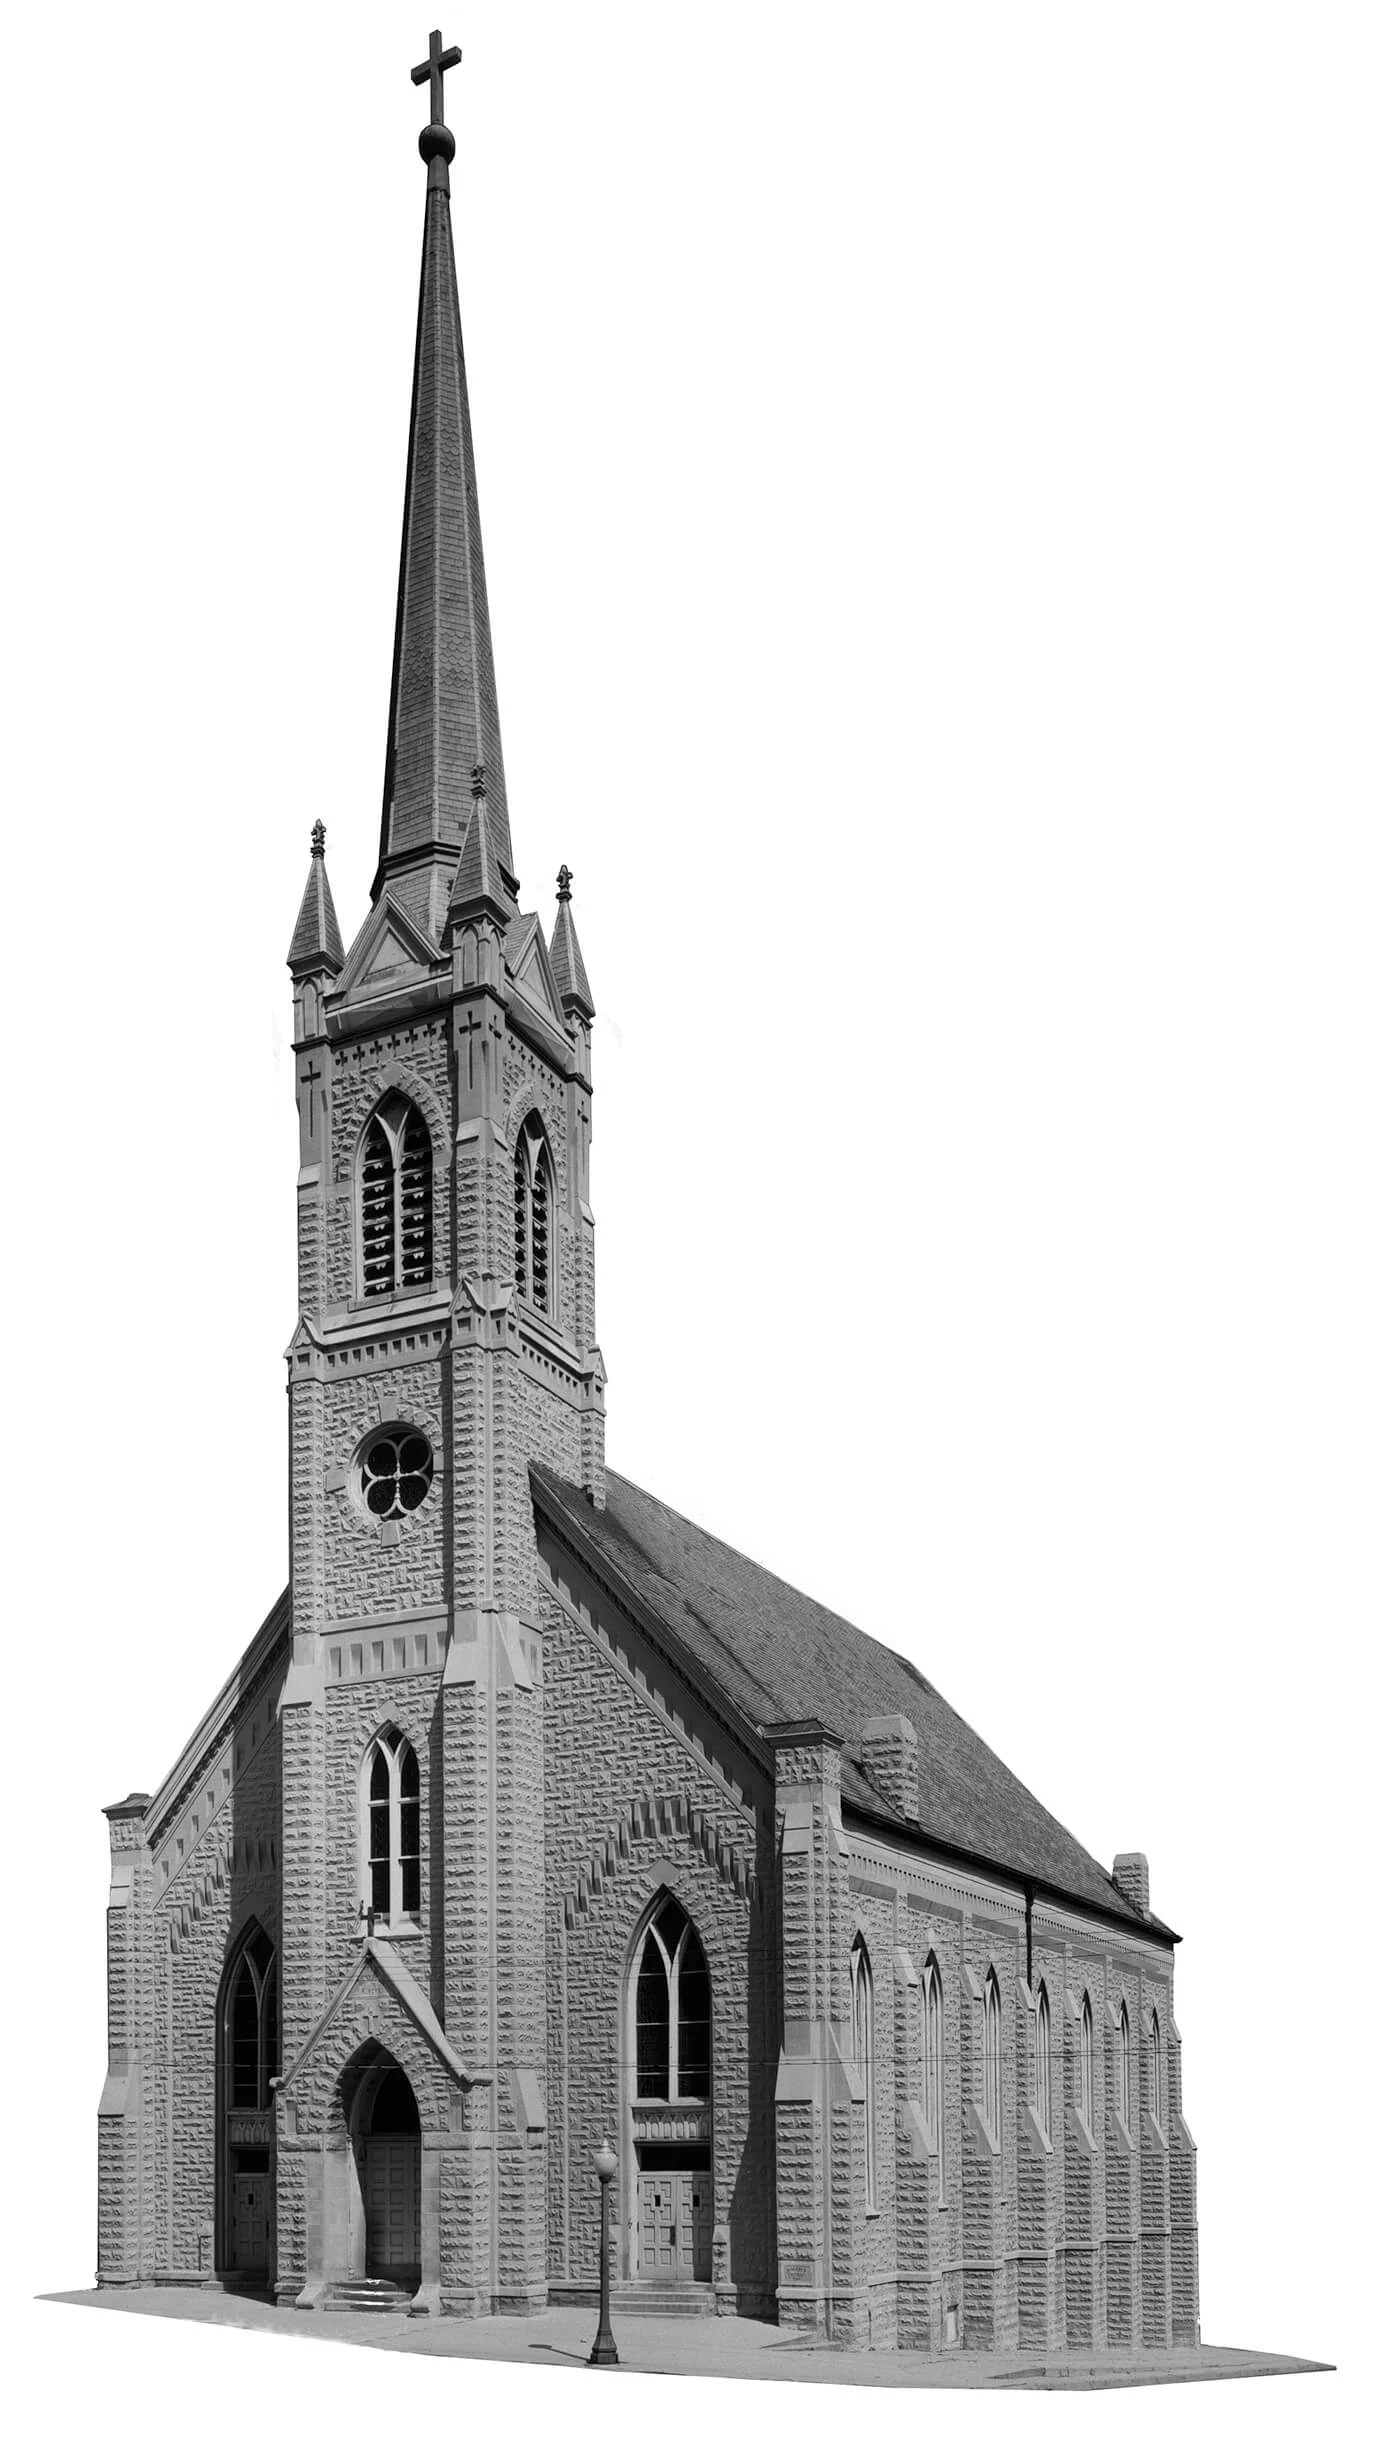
x=860 y=1991
x=933 y=2058
x=396 y=1200
x=1123 y=2067
x=671 y=2000
x=991 y=2058
x=535 y=1215
x=390 y=1875
x=1155 y=2070
x=1042 y=2062
x=1086 y=2057
x=251 y=2025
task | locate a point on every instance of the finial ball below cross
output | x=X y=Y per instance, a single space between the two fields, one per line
x=436 y=139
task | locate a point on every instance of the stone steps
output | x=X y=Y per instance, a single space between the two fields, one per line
x=643 y=2297
x=365 y=2297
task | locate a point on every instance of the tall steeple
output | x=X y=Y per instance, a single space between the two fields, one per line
x=443 y=716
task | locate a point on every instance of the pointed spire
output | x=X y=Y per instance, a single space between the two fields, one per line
x=565 y=955
x=477 y=883
x=316 y=943
x=443 y=715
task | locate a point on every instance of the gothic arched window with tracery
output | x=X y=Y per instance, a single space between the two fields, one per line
x=251 y=2024
x=390 y=1872
x=671 y=2002
x=395 y=1200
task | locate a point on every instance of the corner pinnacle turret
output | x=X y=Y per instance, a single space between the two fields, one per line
x=316 y=943
x=443 y=720
x=565 y=955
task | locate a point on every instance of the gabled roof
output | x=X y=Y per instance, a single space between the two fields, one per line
x=477 y=883
x=390 y=942
x=529 y=969
x=779 y=1657
x=377 y=1953
x=269 y=1644
x=517 y=938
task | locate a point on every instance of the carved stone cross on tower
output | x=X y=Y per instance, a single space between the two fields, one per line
x=433 y=68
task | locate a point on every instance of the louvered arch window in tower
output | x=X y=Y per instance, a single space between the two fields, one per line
x=535 y=1217
x=396 y=1200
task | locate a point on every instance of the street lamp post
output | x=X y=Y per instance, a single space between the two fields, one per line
x=603 y=2348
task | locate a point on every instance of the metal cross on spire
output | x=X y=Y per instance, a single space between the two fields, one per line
x=433 y=68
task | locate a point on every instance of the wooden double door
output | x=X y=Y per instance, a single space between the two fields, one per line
x=391 y=2201
x=676 y=2222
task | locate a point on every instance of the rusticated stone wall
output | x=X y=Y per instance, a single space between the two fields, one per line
x=631 y=1809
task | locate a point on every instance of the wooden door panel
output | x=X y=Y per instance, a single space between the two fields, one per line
x=391 y=2198
x=696 y=2227
x=675 y=2224
x=249 y=2252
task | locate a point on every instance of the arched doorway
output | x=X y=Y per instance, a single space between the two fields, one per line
x=669 y=2028
x=384 y=2127
x=247 y=2057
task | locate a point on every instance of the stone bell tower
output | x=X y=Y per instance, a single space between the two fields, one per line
x=446 y=1340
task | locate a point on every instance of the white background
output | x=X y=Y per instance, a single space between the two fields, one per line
x=925 y=479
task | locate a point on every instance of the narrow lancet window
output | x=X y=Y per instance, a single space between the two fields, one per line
x=860 y=1984
x=933 y=2056
x=1155 y=2070
x=991 y=2059
x=1123 y=2067
x=1085 y=2061
x=1042 y=2061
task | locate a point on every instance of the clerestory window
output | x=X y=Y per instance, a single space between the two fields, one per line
x=534 y=1217
x=390 y=1874
x=396 y=1200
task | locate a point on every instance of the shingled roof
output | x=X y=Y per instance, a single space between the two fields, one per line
x=780 y=1657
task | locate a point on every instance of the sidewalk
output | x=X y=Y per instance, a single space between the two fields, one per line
x=694 y=2344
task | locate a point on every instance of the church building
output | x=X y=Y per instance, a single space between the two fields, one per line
x=535 y=1817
